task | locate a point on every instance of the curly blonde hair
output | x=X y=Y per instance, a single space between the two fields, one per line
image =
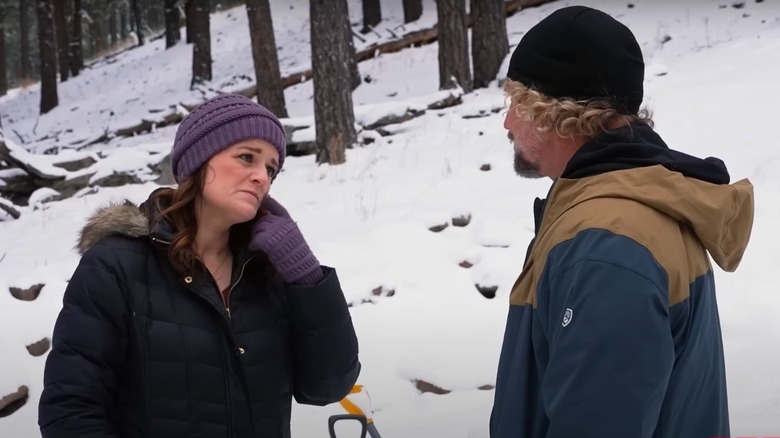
x=567 y=117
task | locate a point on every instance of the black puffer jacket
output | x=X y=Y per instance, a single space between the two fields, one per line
x=141 y=351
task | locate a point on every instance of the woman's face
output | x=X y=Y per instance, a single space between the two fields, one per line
x=237 y=180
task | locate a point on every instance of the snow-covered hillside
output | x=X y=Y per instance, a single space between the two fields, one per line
x=711 y=82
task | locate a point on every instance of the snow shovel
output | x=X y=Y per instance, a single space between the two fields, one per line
x=358 y=407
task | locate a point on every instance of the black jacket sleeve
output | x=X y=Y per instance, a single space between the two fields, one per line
x=88 y=350
x=324 y=341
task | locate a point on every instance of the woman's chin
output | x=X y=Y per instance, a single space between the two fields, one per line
x=243 y=213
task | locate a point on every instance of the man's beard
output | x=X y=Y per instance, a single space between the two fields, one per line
x=523 y=166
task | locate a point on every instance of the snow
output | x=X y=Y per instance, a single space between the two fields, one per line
x=711 y=87
x=134 y=161
x=42 y=195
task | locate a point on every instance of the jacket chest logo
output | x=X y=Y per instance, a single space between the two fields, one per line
x=567 y=315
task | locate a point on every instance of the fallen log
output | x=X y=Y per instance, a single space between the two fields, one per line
x=415 y=38
x=9 y=209
x=427 y=36
x=11 y=153
x=42 y=178
x=17 y=187
x=147 y=125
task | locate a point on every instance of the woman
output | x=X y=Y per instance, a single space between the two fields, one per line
x=202 y=312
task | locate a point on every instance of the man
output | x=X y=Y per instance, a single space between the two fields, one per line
x=613 y=327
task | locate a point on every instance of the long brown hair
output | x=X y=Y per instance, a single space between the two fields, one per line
x=177 y=206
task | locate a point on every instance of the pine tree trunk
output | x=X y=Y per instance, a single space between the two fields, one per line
x=156 y=13
x=412 y=10
x=489 y=41
x=454 y=66
x=76 y=49
x=113 y=30
x=138 y=24
x=96 y=34
x=48 y=54
x=3 y=71
x=354 y=71
x=150 y=14
x=123 y=28
x=189 y=15
x=201 y=47
x=270 y=92
x=172 y=32
x=334 y=116
x=25 y=63
x=61 y=25
x=372 y=14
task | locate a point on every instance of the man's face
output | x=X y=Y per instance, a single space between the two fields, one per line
x=527 y=143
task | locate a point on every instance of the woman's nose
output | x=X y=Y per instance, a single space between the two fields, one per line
x=260 y=175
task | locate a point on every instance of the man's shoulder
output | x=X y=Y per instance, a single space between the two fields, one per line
x=628 y=234
x=622 y=216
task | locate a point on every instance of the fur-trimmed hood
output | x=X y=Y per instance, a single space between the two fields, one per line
x=123 y=218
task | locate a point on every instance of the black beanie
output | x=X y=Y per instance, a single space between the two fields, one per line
x=581 y=53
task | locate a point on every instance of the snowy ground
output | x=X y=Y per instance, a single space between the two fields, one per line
x=712 y=87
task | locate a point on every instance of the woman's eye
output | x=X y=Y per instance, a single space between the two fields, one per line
x=246 y=157
x=271 y=171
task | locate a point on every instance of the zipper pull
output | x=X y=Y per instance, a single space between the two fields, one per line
x=227 y=309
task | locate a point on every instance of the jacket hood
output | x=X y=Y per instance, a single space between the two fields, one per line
x=634 y=163
x=124 y=218
x=636 y=146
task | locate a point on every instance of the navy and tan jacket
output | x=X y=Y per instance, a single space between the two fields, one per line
x=613 y=327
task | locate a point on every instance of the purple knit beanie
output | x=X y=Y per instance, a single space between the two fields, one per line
x=218 y=124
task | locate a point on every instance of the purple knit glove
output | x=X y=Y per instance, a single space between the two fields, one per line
x=278 y=236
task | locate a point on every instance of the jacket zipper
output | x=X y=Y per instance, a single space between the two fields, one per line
x=234 y=344
x=227 y=295
x=158 y=240
x=232 y=335
x=229 y=326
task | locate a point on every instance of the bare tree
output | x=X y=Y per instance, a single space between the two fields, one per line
x=270 y=92
x=412 y=10
x=354 y=71
x=123 y=27
x=138 y=22
x=172 y=31
x=189 y=15
x=201 y=47
x=61 y=25
x=113 y=23
x=25 y=63
x=489 y=42
x=3 y=67
x=454 y=66
x=76 y=49
x=334 y=116
x=48 y=55
x=154 y=14
x=372 y=14
x=97 y=34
